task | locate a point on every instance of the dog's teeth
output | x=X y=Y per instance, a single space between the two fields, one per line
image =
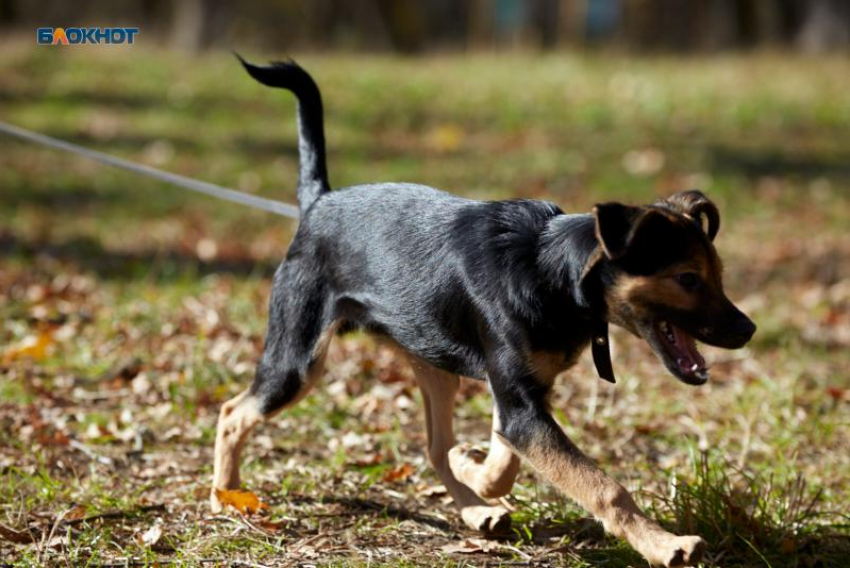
x=694 y=367
x=667 y=331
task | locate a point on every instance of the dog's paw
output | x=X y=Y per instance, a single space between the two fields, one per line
x=463 y=456
x=216 y=506
x=486 y=519
x=676 y=551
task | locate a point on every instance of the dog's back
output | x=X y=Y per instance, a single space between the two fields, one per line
x=371 y=243
x=428 y=269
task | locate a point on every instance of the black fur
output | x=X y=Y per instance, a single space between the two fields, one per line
x=474 y=288
x=313 y=175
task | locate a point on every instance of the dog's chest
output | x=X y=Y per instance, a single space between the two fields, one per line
x=547 y=365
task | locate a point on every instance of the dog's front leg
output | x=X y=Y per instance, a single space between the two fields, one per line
x=438 y=394
x=530 y=430
x=490 y=475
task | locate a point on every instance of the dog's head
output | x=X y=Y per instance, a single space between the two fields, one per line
x=663 y=280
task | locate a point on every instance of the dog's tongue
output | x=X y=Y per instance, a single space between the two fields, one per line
x=688 y=354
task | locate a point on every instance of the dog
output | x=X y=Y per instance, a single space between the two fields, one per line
x=507 y=292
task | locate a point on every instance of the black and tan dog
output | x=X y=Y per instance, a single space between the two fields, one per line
x=510 y=292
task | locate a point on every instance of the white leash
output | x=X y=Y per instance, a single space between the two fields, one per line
x=270 y=205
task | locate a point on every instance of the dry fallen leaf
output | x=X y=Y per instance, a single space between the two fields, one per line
x=18 y=537
x=245 y=502
x=59 y=542
x=445 y=138
x=470 y=546
x=399 y=473
x=32 y=347
x=271 y=526
x=372 y=458
x=432 y=491
x=151 y=536
x=836 y=393
x=788 y=545
x=76 y=513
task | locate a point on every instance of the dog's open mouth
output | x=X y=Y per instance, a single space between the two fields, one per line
x=680 y=353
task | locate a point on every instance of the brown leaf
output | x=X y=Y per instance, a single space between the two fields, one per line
x=470 y=546
x=399 y=473
x=52 y=438
x=372 y=458
x=126 y=369
x=59 y=542
x=271 y=526
x=788 y=545
x=836 y=393
x=432 y=491
x=245 y=502
x=18 y=537
x=31 y=347
x=445 y=138
x=76 y=513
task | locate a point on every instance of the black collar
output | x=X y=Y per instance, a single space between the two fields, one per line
x=588 y=294
x=601 y=352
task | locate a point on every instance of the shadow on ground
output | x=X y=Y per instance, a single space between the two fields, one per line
x=89 y=255
x=755 y=164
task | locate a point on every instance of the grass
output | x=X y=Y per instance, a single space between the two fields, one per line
x=753 y=515
x=151 y=305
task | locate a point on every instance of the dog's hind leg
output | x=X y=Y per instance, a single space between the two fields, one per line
x=293 y=360
x=490 y=475
x=438 y=394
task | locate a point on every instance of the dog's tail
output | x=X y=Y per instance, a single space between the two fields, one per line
x=313 y=172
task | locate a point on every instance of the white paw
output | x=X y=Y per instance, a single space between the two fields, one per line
x=216 y=505
x=486 y=519
x=676 y=551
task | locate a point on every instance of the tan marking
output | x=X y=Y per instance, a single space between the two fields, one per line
x=241 y=414
x=697 y=207
x=569 y=470
x=438 y=393
x=595 y=258
x=633 y=298
x=238 y=417
x=547 y=365
x=641 y=292
x=491 y=475
x=320 y=353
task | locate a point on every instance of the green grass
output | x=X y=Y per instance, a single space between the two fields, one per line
x=108 y=265
x=782 y=522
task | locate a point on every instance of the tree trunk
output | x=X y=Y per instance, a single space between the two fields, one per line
x=8 y=13
x=826 y=26
x=197 y=24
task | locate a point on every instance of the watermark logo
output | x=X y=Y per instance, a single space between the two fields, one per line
x=81 y=36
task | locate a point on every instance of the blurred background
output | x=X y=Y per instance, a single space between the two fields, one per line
x=414 y=27
x=130 y=310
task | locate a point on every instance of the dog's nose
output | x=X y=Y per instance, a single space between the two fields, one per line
x=734 y=329
x=743 y=329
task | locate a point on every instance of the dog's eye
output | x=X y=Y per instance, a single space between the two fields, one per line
x=688 y=280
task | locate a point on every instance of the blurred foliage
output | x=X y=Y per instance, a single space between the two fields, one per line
x=411 y=26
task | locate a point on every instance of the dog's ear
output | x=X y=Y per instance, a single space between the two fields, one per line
x=618 y=226
x=613 y=223
x=695 y=205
